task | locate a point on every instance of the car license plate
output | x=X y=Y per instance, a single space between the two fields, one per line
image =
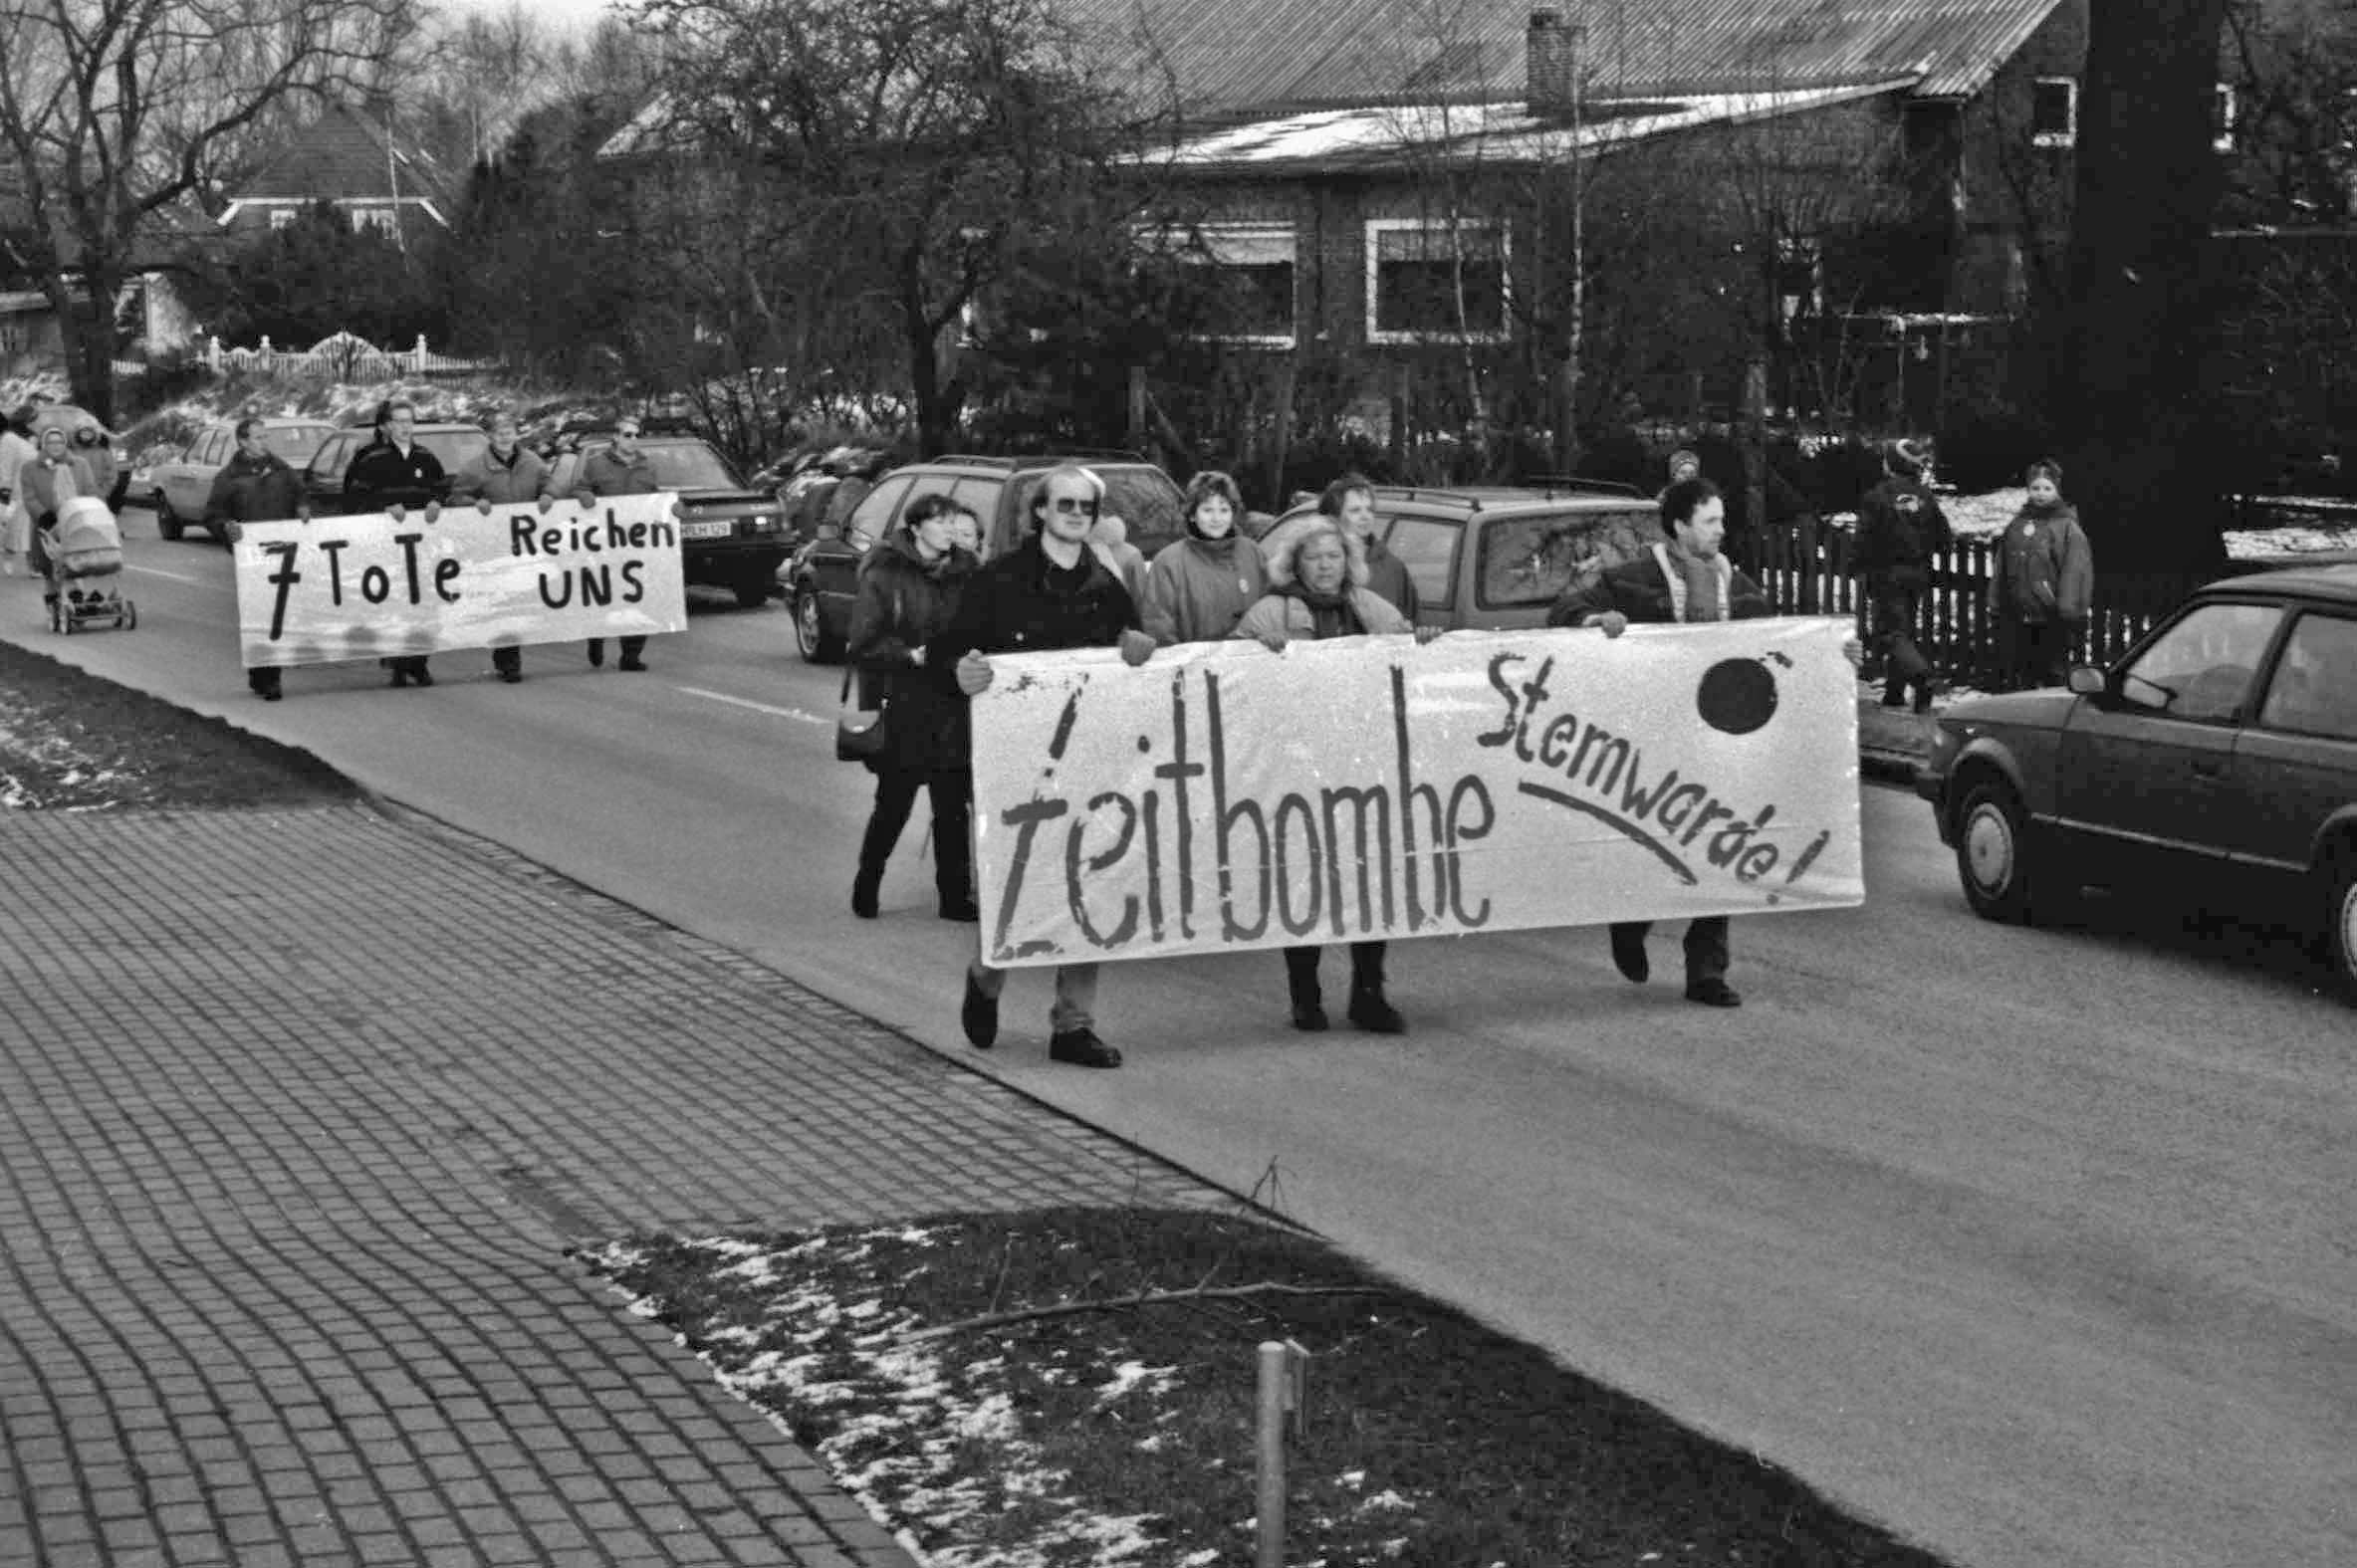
x=706 y=530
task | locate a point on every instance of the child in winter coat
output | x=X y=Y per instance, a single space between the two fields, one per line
x=2045 y=583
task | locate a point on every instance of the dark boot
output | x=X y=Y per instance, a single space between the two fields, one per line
x=1300 y=983
x=1368 y=1009
x=865 y=889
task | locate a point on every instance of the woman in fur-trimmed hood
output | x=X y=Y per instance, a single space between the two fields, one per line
x=1333 y=601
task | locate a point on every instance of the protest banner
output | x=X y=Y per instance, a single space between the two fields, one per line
x=1225 y=797
x=365 y=586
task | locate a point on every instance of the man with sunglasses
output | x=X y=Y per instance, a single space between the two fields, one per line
x=621 y=468
x=1050 y=592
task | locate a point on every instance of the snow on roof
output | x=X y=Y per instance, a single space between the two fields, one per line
x=1336 y=138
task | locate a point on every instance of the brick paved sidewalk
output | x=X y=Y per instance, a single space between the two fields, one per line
x=299 y=1110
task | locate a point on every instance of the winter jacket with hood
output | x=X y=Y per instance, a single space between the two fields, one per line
x=1280 y=610
x=1895 y=550
x=2044 y=568
x=903 y=604
x=1198 y=588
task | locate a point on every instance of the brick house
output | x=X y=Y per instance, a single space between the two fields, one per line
x=1819 y=180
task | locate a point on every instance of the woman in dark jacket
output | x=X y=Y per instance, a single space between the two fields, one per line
x=908 y=591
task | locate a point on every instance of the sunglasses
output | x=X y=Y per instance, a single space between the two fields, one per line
x=1072 y=504
x=626 y=435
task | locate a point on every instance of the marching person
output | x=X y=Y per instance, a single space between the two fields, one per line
x=1350 y=500
x=1050 y=592
x=1900 y=530
x=98 y=455
x=255 y=485
x=621 y=469
x=508 y=473
x=1688 y=580
x=53 y=477
x=1318 y=590
x=393 y=474
x=2044 y=585
x=1199 y=587
x=16 y=450
x=908 y=591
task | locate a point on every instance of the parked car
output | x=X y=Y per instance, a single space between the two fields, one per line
x=823 y=576
x=1495 y=558
x=453 y=446
x=69 y=418
x=731 y=535
x=2215 y=762
x=177 y=487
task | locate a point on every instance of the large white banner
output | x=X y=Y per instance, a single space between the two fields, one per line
x=1223 y=796
x=366 y=586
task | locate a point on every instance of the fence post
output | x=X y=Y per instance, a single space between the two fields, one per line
x=418 y=361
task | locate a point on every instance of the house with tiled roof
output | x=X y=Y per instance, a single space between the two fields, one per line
x=351 y=159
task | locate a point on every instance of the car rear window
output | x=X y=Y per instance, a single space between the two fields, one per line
x=454 y=449
x=1531 y=559
x=691 y=466
x=296 y=443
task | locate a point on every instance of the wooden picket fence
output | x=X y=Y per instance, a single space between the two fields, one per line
x=345 y=357
x=1804 y=575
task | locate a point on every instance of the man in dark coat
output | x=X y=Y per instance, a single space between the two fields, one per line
x=255 y=485
x=1900 y=530
x=393 y=474
x=1050 y=592
x=1683 y=579
x=1350 y=500
x=621 y=469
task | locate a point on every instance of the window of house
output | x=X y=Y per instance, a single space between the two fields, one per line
x=1431 y=278
x=1250 y=268
x=281 y=217
x=382 y=219
x=2221 y=118
x=2055 y=112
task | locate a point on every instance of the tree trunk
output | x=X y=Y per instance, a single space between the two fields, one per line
x=924 y=364
x=2139 y=435
x=85 y=336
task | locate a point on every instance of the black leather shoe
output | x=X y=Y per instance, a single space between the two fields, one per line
x=1309 y=1017
x=1081 y=1049
x=1628 y=956
x=864 y=897
x=979 y=1016
x=271 y=694
x=1713 y=994
x=510 y=676
x=1373 y=1013
x=632 y=664
x=596 y=652
x=964 y=909
x=424 y=677
x=400 y=678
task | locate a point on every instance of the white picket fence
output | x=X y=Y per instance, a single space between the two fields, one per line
x=345 y=358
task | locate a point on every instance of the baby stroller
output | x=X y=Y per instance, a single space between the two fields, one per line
x=84 y=552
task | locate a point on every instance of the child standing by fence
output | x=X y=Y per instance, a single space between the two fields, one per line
x=2042 y=585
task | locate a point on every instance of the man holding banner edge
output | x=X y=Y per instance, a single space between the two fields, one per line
x=1683 y=579
x=1050 y=591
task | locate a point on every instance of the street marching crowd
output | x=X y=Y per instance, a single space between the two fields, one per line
x=931 y=615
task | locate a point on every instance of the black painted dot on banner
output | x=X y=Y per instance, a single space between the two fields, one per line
x=1737 y=696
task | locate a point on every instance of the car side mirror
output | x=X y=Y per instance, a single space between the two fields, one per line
x=2087 y=681
x=830 y=530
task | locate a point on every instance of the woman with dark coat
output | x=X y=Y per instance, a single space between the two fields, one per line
x=1199 y=587
x=908 y=591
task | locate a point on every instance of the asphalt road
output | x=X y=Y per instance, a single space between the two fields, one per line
x=2034 y=1246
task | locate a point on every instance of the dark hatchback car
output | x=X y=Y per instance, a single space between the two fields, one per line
x=453 y=446
x=2216 y=765
x=731 y=535
x=824 y=580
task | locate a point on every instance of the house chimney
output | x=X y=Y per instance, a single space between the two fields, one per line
x=1553 y=62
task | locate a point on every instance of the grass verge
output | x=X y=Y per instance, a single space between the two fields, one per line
x=72 y=740
x=1124 y=1433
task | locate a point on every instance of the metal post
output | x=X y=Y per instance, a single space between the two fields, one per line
x=1276 y=1381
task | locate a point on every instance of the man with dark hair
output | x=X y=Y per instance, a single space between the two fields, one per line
x=1685 y=578
x=621 y=468
x=255 y=485
x=393 y=474
x=1050 y=592
x=1350 y=500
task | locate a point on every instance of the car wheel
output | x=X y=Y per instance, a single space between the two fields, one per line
x=753 y=590
x=167 y=522
x=810 y=630
x=2340 y=918
x=1993 y=854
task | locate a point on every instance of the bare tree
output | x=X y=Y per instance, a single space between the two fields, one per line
x=116 y=112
